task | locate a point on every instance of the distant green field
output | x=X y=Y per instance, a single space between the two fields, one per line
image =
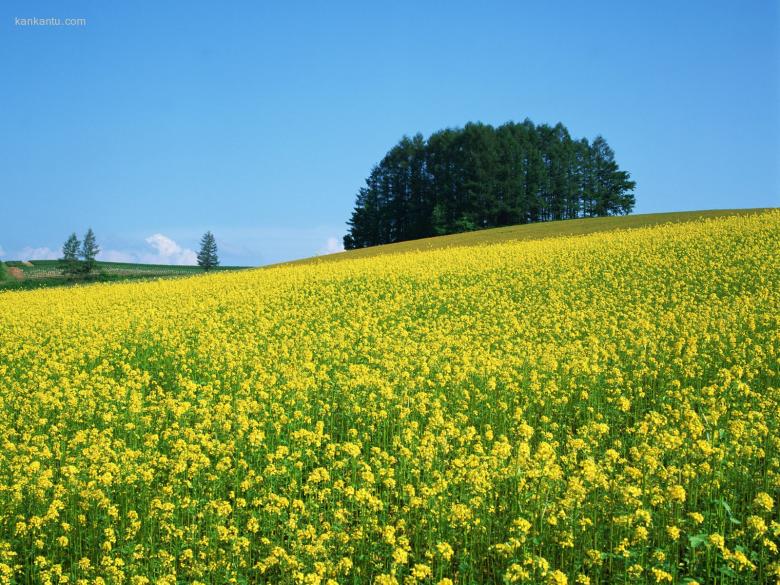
x=44 y=273
x=531 y=231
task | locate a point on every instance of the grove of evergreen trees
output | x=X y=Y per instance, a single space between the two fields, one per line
x=480 y=176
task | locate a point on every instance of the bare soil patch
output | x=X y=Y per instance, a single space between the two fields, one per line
x=16 y=272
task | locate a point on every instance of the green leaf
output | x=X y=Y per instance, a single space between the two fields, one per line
x=697 y=540
x=725 y=505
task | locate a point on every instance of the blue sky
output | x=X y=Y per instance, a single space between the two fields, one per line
x=260 y=120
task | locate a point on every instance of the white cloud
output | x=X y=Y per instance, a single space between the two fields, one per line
x=43 y=253
x=164 y=251
x=332 y=245
x=2 y=252
x=169 y=252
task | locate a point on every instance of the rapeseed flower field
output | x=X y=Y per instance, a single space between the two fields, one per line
x=593 y=409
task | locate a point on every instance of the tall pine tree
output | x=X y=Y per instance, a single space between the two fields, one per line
x=207 y=257
x=89 y=252
x=69 y=263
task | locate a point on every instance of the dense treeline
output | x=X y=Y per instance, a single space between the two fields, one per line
x=479 y=176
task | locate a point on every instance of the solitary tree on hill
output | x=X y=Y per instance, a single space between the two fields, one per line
x=70 y=255
x=207 y=257
x=89 y=250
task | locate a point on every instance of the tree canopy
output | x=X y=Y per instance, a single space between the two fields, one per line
x=481 y=176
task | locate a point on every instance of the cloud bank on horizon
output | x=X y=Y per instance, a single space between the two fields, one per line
x=165 y=250
x=39 y=253
x=161 y=249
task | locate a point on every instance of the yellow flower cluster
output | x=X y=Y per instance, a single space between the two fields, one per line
x=593 y=409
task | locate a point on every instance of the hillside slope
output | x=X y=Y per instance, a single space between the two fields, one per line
x=594 y=409
x=533 y=231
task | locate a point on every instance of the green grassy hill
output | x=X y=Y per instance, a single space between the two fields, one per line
x=43 y=273
x=531 y=231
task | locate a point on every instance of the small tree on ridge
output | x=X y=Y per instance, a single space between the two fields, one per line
x=89 y=250
x=207 y=257
x=70 y=255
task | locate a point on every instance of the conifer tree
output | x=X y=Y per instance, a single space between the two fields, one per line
x=89 y=250
x=69 y=263
x=207 y=257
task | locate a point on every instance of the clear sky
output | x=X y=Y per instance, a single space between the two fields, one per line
x=156 y=121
